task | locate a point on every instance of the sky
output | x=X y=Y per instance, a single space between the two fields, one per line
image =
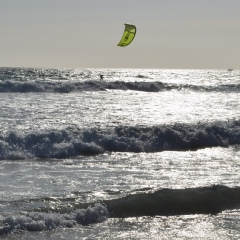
x=171 y=34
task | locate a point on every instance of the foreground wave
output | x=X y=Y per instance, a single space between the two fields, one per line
x=73 y=141
x=164 y=202
x=203 y=200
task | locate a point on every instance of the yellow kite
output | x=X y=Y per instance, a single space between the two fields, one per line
x=128 y=35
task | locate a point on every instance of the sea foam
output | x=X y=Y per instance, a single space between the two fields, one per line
x=73 y=141
x=37 y=221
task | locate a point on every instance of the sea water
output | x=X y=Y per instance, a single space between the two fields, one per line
x=74 y=150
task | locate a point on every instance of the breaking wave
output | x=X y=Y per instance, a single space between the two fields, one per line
x=37 y=221
x=74 y=141
x=163 y=202
x=67 y=86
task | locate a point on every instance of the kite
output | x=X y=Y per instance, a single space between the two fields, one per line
x=128 y=35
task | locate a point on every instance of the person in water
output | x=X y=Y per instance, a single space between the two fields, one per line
x=101 y=77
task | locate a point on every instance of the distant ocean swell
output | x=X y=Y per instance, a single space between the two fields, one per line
x=73 y=141
x=64 y=86
x=163 y=202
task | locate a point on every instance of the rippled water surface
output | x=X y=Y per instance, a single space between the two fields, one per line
x=69 y=140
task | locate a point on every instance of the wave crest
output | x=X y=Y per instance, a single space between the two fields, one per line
x=202 y=200
x=72 y=141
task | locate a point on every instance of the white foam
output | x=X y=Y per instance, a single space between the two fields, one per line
x=37 y=221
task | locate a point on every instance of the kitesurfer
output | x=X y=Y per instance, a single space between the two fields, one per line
x=101 y=77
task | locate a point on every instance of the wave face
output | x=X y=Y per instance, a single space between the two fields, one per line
x=73 y=141
x=204 y=200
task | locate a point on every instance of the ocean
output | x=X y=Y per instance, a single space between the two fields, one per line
x=142 y=154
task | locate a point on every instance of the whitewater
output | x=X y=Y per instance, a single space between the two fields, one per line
x=143 y=154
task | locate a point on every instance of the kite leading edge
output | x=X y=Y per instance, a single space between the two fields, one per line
x=128 y=35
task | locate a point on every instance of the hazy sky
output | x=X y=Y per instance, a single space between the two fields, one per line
x=85 y=33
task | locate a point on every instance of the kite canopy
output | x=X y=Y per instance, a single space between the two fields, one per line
x=128 y=35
